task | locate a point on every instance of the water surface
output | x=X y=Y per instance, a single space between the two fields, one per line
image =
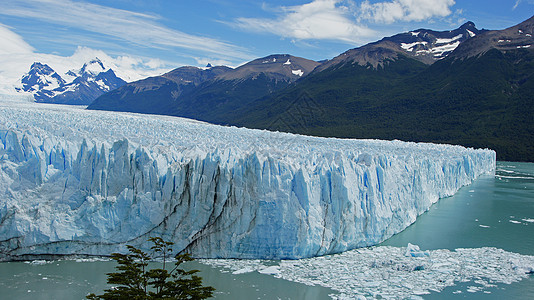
x=495 y=211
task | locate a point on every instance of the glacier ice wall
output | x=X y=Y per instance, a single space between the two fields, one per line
x=85 y=182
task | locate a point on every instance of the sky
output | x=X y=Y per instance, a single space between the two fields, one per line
x=150 y=37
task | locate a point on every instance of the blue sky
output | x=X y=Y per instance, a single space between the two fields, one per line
x=172 y=33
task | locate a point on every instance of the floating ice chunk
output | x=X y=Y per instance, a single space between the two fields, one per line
x=243 y=271
x=272 y=270
x=515 y=222
x=484 y=226
x=474 y=289
x=528 y=220
x=38 y=262
x=386 y=272
x=414 y=251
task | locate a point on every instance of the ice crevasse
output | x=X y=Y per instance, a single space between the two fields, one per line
x=81 y=182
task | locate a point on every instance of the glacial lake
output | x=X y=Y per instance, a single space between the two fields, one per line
x=492 y=212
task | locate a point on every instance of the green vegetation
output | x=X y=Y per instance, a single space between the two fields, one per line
x=134 y=281
x=484 y=102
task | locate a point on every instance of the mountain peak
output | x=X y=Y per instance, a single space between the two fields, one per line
x=93 y=67
x=41 y=76
x=467 y=25
x=41 y=68
x=277 y=66
x=82 y=86
x=424 y=45
x=510 y=39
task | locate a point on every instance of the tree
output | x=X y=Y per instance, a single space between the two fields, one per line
x=134 y=281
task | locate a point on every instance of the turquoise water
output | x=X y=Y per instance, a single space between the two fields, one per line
x=69 y=279
x=493 y=211
x=490 y=212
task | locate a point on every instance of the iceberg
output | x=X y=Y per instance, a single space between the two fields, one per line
x=77 y=182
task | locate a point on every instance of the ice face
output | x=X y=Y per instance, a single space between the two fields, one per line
x=89 y=182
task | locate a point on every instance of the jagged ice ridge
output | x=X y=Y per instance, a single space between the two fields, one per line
x=89 y=182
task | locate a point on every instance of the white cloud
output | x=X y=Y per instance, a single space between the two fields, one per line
x=320 y=19
x=16 y=57
x=343 y=20
x=136 y=28
x=12 y=42
x=128 y=68
x=405 y=10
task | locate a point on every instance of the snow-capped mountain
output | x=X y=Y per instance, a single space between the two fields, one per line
x=517 y=38
x=424 y=45
x=429 y=45
x=78 y=87
x=479 y=95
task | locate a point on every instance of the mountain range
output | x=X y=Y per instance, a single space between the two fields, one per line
x=77 y=87
x=465 y=86
x=208 y=93
x=205 y=93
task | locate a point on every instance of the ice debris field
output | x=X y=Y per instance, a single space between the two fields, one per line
x=74 y=181
x=392 y=272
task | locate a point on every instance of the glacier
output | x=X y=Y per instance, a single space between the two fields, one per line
x=83 y=182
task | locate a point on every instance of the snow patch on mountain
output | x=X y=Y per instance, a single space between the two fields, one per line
x=410 y=46
x=297 y=72
x=448 y=41
x=439 y=51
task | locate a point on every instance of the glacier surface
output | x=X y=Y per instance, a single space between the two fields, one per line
x=85 y=182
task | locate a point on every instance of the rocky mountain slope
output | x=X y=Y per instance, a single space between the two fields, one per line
x=480 y=95
x=207 y=93
x=218 y=92
x=424 y=45
x=465 y=86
